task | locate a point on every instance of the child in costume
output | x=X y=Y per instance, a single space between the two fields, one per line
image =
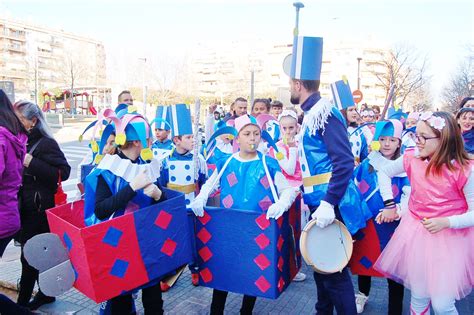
x=290 y=164
x=248 y=166
x=163 y=145
x=357 y=136
x=408 y=135
x=431 y=251
x=110 y=195
x=371 y=240
x=178 y=169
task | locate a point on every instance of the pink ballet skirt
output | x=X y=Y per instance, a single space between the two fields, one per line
x=440 y=264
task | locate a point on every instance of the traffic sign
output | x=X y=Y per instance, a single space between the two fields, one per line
x=357 y=94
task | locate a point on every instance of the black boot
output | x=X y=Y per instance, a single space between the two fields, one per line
x=39 y=300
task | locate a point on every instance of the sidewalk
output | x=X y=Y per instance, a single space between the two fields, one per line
x=184 y=298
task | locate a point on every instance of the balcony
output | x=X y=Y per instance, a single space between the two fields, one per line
x=18 y=37
x=16 y=49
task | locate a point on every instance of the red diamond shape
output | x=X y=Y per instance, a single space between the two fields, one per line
x=206 y=275
x=262 y=261
x=205 y=253
x=280 y=263
x=204 y=235
x=163 y=219
x=280 y=221
x=262 y=284
x=168 y=247
x=262 y=221
x=205 y=218
x=280 y=243
x=281 y=284
x=262 y=241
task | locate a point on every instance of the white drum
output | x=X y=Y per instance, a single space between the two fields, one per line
x=326 y=250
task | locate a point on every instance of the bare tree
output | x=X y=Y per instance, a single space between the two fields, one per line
x=72 y=70
x=404 y=67
x=461 y=83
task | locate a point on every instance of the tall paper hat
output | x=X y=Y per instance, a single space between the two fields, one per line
x=134 y=127
x=162 y=118
x=386 y=128
x=342 y=94
x=180 y=117
x=306 y=60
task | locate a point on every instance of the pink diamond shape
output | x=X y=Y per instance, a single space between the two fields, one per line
x=264 y=182
x=281 y=284
x=262 y=261
x=169 y=247
x=206 y=275
x=395 y=190
x=280 y=243
x=204 y=235
x=228 y=201
x=262 y=284
x=163 y=219
x=262 y=221
x=205 y=218
x=280 y=264
x=205 y=253
x=280 y=221
x=262 y=241
x=265 y=203
x=363 y=186
x=232 y=179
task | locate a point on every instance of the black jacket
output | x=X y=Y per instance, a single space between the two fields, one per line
x=40 y=178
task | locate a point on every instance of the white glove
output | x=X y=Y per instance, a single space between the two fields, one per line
x=153 y=191
x=140 y=181
x=324 y=214
x=197 y=205
x=275 y=211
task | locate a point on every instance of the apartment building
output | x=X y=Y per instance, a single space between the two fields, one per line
x=224 y=70
x=39 y=59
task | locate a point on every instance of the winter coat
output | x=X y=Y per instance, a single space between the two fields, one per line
x=12 y=153
x=40 y=178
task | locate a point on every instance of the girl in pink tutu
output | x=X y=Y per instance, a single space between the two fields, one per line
x=431 y=251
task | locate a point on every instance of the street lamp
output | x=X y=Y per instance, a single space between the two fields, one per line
x=144 y=86
x=358 y=72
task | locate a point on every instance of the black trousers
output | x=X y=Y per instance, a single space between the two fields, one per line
x=395 y=293
x=151 y=299
x=32 y=224
x=335 y=291
x=218 y=303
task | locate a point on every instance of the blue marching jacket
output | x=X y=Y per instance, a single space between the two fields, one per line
x=317 y=166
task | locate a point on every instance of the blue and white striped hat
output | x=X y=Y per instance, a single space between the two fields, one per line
x=180 y=117
x=162 y=118
x=306 y=59
x=342 y=94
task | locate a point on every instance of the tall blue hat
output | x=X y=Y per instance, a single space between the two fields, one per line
x=306 y=60
x=180 y=117
x=162 y=118
x=342 y=94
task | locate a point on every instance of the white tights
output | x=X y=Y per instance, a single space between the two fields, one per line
x=441 y=305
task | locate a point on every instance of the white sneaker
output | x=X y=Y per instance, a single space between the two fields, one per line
x=299 y=277
x=361 y=300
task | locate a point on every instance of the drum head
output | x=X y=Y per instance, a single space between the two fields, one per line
x=326 y=250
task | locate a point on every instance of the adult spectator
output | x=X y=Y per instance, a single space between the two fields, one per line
x=260 y=106
x=44 y=164
x=12 y=152
x=376 y=109
x=240 y=108
x=125 y=97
